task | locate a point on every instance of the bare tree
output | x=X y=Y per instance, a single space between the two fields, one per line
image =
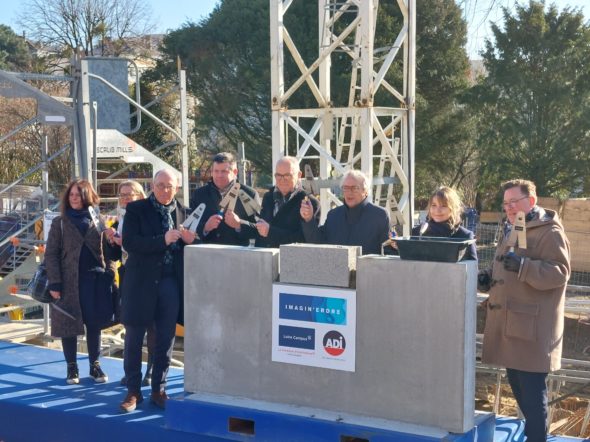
x=86 y=24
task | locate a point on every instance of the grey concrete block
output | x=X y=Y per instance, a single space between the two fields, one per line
x=415 y=338
x=227 y=311
x=420 y=346
x=319 y=264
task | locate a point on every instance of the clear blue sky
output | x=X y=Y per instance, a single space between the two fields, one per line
x=171 y=14
x=168 y=14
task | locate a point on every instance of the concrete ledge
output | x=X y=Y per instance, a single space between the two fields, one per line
x=236 y=418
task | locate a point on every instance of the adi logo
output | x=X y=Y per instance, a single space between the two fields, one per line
x=334 y=343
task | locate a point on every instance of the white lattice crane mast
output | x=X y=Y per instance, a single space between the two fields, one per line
x=379 y=140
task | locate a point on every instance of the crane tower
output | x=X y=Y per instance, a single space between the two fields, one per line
x=373 y=130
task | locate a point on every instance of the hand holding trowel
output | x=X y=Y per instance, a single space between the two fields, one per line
x=513 y=262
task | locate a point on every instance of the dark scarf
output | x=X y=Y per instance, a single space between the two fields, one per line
x=167 y=224
x=440 y=230
x=80 y=218
x=279 y=200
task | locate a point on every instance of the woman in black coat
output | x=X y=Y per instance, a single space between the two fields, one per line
x=444 y=219
x=80 y=276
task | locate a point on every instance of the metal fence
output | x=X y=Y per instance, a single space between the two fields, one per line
x=487 y=237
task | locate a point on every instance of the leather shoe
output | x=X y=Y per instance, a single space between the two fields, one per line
x=130 y=402
x=159 y=398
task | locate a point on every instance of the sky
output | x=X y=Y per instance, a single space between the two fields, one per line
x=171 y=14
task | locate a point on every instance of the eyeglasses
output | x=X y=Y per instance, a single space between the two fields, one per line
x=351 y=188
x=283 y=176
x=513 y=202
x=168 y=188
x=127 y=195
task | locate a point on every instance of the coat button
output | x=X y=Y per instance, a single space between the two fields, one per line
x=156 y=281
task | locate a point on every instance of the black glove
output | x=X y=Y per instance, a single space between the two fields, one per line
x=512 y=262
x=483 y=281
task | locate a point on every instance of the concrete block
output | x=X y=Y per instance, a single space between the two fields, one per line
x=319 y=264
x=227 y=311
x=415 y=338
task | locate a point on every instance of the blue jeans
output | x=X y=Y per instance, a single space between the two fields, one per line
x=530 y=391
x=167 y=307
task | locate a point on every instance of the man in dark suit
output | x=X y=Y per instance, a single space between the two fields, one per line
x=223 y=228
x=152 y=288
x=357 y=222
x=280 y=221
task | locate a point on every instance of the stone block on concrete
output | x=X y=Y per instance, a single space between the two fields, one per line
x=319 y=264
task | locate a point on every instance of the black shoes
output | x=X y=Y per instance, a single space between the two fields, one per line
x=73 y=376
x=97 y=374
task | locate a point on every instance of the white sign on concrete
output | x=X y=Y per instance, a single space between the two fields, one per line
x=314 y=326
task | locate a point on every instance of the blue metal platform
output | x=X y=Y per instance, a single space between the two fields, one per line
x=36 y=404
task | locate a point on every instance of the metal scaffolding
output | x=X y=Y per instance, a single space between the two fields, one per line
x=378 y=140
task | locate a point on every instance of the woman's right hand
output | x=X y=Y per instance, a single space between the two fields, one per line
x=55 y=295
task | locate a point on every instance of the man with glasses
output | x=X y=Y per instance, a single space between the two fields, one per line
x=280 y=221
x=152 y=287
x=524 y=323
x=357 y=222
x=223 y=227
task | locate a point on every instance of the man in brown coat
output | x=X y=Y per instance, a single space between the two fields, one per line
x=524 y=324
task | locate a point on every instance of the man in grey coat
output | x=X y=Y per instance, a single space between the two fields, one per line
x=524 y=323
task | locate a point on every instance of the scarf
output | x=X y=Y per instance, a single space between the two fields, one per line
x=226 y=189
x=167 y=224
x=80 y=218
x=279 y=200
x=440 y=230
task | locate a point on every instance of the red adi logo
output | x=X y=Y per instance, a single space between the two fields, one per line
x=334 y=343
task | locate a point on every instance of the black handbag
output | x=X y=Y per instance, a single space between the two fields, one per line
x=38 y=287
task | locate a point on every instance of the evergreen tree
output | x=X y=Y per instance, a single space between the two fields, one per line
x=534 y=104
x=227 y=57
x=14 y=54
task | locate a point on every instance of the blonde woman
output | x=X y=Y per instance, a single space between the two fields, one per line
x=129 y=191
x=444 y=219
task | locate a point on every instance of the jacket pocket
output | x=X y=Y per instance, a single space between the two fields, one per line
x=521 y=320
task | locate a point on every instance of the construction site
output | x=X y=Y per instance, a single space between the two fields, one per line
x=98 y=115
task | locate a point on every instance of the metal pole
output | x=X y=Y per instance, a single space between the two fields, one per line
x=45 y=177
x=411 y=104
x=325 y=86
x=277 y=85
x=184 y=137
x=94 y=145
x=242 y=158
x=45 y=172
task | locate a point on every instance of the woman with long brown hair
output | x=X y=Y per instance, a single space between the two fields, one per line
x=80 y=275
